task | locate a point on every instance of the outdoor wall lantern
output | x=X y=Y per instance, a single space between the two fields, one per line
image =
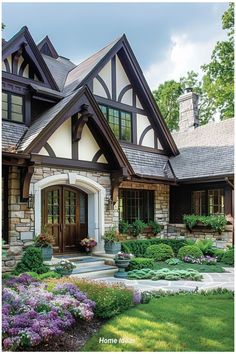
x=31 y=201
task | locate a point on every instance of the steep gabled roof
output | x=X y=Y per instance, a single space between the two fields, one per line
x=48 y=122
x=90 y=67
x=24 y=39
x=46 y=47
x=207 y=151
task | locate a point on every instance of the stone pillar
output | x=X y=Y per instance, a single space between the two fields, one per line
x=188 y=111
x=162 y=206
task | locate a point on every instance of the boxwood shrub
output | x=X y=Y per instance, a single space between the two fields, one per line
x=193 y=251
x=140 y=263
x=228 y=257
x=138 y=247
x=159 y=252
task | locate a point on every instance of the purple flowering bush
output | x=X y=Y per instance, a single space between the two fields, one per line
x=31 y=314
x=200 y=260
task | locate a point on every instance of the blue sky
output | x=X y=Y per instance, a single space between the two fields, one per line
x=168 y=39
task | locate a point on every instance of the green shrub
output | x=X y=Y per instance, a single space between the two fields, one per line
x=159 y=252
x=193 y=251
x=124 y=227
x=173 y=261
x=138 y=247
x=137 y=227
x=228 y=257
x=156 y=228
x=206 y=246
x=32 y=260
x=140 y=263
x=111 y=299
x=218 y=252
x=165 y=273
x=50 y=274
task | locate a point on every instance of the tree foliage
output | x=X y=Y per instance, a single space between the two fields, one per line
x=215 y=90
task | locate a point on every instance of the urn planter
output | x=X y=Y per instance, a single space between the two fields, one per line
x=112 y=247
x=47 y=253
x=122 y=264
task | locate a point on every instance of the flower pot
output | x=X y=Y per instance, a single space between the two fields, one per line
x=112 y=247
x=121 y=264
x=63 y=272
x=47 y=253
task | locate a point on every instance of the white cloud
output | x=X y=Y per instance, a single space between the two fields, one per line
x=182 y=55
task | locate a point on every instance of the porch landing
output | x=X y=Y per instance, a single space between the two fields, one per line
x=87 y=266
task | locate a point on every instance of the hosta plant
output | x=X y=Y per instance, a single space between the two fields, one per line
x=173 y=261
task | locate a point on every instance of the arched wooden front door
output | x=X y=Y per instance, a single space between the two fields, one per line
x=65 y=216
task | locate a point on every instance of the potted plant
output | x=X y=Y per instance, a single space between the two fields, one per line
x=111 y=238
x=45 y=241
x=64 y=267
x=137 y=227
x=122 y=261
x=88 y=244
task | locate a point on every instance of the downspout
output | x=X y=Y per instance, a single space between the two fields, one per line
x=232 y=186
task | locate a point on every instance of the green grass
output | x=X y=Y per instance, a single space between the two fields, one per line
x=175 y=323
x=201 y=268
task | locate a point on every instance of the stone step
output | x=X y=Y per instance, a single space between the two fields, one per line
x=94 y=272
x=78 y=260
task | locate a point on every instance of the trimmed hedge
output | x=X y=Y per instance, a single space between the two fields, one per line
x=140 y=263
x=228 y=257
x=192 y=251
x=159 y=252
x=138 y=247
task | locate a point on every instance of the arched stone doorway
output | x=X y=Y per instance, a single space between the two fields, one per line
x=95 y=195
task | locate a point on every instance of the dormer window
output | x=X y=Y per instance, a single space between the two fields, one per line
x=119 y=121
x=12 y=107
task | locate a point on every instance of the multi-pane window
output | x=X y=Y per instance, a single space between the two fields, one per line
x=216 y=201
x=119 y=121
x=12 y=107
x=136 y=204
x=208 y=202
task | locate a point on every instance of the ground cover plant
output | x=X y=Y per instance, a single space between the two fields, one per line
x=201 y=268
x=32 y=315
x=185 y=322
x=165 y=273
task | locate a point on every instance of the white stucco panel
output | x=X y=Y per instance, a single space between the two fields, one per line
x=102 y=159
x=87 y=145
x=60 y=141
x=159 y=146
x=128 y=97
x=121 y=77
x=138 y=104
x=43 y=152
x=98 y=89
x=105 y=74
x=142 y=123
x=148 y=139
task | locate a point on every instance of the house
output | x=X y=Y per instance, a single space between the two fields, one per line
x=85 y=145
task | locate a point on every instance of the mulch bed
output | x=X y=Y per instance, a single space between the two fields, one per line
x=71 y=341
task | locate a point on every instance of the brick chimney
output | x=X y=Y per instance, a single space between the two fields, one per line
x=188 y=111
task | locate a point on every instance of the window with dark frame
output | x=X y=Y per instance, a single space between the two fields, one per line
x=119 y=121
x=136 y=204
x=208 y=202
x=12 y=107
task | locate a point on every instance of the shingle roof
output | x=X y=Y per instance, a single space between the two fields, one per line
x=148 y=164
x=44 y=120
x=59 y=68
x=205 y=151
x=79 y=73
x=11 y=135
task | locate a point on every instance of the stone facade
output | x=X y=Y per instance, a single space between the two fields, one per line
x=221 y=240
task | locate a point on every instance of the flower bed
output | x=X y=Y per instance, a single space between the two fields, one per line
x=32 y=314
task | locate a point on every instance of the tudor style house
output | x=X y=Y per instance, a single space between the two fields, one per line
x=85 y=145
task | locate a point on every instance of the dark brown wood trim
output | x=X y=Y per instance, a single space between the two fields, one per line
x=49 y=150
x=102 y=82
x=123 y=91
x=7 y=65
x=119 y=105
x=75 y=144
x=97 y=155
x=76 y=164
x=113 y=77
x=5 y=224
x=210 y=179
x=229 y=182
x=26 y=174
x=142 y=148
x=22 y=67
x=144 y=133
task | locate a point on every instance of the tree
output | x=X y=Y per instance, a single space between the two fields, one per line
x=218 y=81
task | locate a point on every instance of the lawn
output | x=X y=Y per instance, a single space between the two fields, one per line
x=174 y=323
x=201 y=268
